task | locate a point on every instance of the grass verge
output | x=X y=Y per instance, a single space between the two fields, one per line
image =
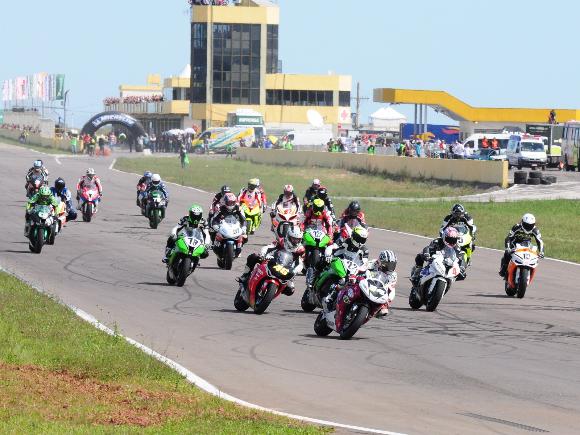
x=557 y=219
x=59 y=374
x=211 y=173
x=47 y=150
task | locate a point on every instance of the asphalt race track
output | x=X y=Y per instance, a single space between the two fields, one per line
x=482 y=363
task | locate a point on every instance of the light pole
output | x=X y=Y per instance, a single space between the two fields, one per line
x=64 y=120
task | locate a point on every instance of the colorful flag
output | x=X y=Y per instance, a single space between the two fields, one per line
x=59 y=87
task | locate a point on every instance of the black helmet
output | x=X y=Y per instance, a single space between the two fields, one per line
x=225 y=189
x=59 y=184
x=195 y=214
x=458 y=211
x=323 y=193
x=353 y=208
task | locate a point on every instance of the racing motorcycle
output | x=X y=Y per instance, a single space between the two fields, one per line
x=155 y=208
x=42 y=228
x=336 y=272
x=357 y=302
x=435 y=280
x=35 y=183
x=184 y=257
x=268 y=279
x=252 y=209
x=88 y=198
x=464 y=243
x=228 y=242
x=521 y=269
x=284 y=217
x=61 y=214
x=141 y=189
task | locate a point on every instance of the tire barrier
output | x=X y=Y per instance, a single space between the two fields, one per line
x=520 y=177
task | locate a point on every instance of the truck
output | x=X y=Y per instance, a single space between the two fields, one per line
x=551 y=135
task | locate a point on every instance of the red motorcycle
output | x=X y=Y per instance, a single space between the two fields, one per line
x=89 y=199
x=268 y=279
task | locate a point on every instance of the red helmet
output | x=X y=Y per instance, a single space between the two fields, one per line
x=230 y=201
x=288 y=190
x=450 y=237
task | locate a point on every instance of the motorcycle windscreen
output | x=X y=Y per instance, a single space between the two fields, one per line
x=282 y=265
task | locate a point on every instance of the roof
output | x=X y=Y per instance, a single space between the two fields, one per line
x=388 y=114
x=458 y=110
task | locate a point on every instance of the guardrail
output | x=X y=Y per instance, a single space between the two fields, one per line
x=469 y=171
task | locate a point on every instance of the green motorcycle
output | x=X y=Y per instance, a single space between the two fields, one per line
x=42 y=228
x=335 y=273
x=184 y=258
x=156 y=205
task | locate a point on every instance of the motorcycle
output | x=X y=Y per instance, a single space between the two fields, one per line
x=141 y=189
x=268 y=279
x=228 y=241
x=336 y=272
x=35 y=183
x=155 y=208
x=356 y=303
x=42 y=228
x=521 y=269
x=284 y=217
x=61 y=213
x=252 y=209
x=435 y=280
x=184 y=258
x=89 y=198
x=464 y=243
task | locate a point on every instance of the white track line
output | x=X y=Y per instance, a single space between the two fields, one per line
x=112 y=165
x=192 y=377
x=56 y=158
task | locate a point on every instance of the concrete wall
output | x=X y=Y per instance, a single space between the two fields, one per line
x=31 y=119
x=36 y=139
x=471 y=171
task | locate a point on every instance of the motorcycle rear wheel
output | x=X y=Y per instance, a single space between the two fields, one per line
x=184 y=271
x=436 y=296
x=348 y=330
x=239 y=303
x=263 y=303
x=321 y=328
x=523 y=283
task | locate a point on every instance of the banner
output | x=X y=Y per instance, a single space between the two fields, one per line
x=5 y=91
x=20 y=88
x=59 y=87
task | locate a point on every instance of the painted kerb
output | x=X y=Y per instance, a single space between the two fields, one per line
x=472 y=171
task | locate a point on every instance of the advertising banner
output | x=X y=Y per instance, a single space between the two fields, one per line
x=59 y=87
x=39 y=86
x=20 y=88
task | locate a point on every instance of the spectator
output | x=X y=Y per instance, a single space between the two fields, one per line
x=74 y=140
x=153 y=143
x=484 y=143
x=495 y=143
x=102 y=146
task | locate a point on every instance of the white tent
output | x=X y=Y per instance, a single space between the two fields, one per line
x=387 y=118
x=186 y=73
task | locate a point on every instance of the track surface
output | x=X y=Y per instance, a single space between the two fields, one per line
x=482 y=363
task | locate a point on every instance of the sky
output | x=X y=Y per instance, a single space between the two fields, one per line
x=510 y=53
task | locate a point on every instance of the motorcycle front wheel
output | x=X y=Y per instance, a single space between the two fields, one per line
x=155 y=219
x=263 y=301
x=87 y=212
x=228 y=256
x=436 y=296
x=523 y=283
x=353 y=321
x=307 y=307
x=184 y=271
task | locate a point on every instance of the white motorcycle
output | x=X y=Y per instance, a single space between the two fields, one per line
x=521 y=269
x=228 y=241
x=435 y=280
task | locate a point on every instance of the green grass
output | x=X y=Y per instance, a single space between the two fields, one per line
x=59 y=374
x=558 y=220
x=47 y=150
x=211 y=173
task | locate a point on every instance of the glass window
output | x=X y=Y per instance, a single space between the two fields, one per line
x=272 y=49
x=198 y=63
x=344 y=98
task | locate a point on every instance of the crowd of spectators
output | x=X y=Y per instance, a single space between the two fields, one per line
x=109 y=101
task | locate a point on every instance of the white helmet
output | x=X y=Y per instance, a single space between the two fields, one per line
x=528 y=222
x=387 y=261
x=156 y=179
x=293 y=238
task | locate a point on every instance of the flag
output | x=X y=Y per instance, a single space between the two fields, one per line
x=59 y=87
x=186 y=160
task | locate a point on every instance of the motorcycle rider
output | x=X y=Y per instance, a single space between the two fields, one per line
x=262 y=194
x=317 y=212
x=156 y=185
x=449 y=239
x=193 y=220
x=385 y=263
x=521 y=232
x=291 y=243
x=144 y=181
x=90 y=180
x=38 y=168
x=228 y=207
x=323 y=194
x=251 y=191
x=311 y=192
x=459 y=215
x=287 y=197
x=353 y=246
x=216 y=200
x=353 y=211
x=43 y=197
x=61 y=191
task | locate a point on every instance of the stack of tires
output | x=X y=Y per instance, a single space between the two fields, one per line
x=520 y=177
x=535 y=178
x=548 y=179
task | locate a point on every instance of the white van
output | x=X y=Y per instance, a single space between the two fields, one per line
x=475 y=142
x=526 y=151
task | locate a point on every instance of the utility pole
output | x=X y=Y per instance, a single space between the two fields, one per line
x=358 y=99
x=64 y=114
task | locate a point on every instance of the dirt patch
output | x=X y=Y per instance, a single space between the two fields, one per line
x=60 y=395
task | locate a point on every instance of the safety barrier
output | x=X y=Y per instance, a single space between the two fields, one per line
x=470 y=171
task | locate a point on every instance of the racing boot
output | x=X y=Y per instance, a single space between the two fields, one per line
x=331 y=298
x=167 y=254
x=26 y=229
x=503 y=266
x=415 y=274
x=243 y=278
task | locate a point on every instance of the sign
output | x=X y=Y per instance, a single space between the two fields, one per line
x=249 y=120
x=115 y=117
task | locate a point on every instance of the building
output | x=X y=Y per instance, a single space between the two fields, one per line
x=471 y=119
x=235 y=63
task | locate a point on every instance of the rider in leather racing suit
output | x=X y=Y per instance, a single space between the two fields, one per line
x=61 y=191
x=229 y=207
x=89 y=180
x=145 y=180
x=194 y=219
x=291 y=243
x=521 y=232
x=216 y=201
x=459 y=214
x=43 y=197
x=37 y=168
x=449 y=239
x=317 y=213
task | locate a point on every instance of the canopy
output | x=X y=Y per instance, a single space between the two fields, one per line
x=388 y=114
x=186 y=73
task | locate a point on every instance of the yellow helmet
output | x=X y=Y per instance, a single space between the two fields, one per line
x=253 y=183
